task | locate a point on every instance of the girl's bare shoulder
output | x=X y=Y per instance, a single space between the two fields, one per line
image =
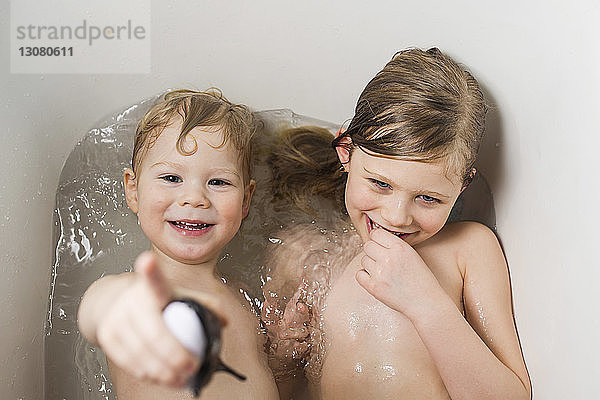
x=304 y=245
x=461 y=236
x=463 y=243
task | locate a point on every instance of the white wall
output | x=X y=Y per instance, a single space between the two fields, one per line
x=540 y=66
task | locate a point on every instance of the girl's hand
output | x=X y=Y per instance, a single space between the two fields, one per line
x=395 y=274
x=133 y=335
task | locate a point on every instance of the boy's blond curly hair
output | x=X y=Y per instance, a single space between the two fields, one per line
x=207 y=109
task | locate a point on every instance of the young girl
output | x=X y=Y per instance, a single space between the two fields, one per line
x=423 y=310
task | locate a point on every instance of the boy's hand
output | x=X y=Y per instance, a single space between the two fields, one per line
x=134 y=336
x=287 y=335
x=395 y=274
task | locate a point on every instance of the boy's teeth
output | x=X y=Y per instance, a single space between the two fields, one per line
x=189 y=225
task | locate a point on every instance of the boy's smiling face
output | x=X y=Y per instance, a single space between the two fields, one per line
x=189 y=206
x=408 y=198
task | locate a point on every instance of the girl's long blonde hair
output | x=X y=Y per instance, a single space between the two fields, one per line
x=422 y=106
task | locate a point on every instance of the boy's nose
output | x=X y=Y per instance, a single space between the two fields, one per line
x=195 y=197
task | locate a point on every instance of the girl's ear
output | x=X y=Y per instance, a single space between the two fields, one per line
x=130 y=185
x=469 y=179
x=248 y=192
x=343 y=149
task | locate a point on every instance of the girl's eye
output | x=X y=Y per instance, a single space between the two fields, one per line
x=428 y=199
x=380 y=184
x=218 y=182
x=171 y=178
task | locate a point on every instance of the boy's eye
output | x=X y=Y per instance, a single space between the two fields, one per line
x=171 y=178
x=380 y=184
x=218 y=182
x=428 y=199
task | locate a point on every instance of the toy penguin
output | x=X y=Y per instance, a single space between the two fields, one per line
x=199 y=331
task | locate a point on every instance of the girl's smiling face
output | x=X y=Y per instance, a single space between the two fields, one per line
x=411 y=199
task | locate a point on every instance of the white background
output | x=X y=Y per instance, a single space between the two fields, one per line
x=539 y=63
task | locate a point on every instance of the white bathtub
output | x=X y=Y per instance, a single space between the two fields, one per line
x=539 y=65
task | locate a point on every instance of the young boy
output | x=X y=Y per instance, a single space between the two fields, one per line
x=190 y=187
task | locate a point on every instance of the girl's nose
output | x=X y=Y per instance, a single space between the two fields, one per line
x=397 y=213
x=194 y=196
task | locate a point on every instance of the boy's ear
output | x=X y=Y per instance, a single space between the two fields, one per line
x=248 y=192
x=130 y=185
x=343 y=150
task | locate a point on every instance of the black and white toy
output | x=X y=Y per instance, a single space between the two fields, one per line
x=199 y=331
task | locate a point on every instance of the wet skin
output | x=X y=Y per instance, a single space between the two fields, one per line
x=190 y=207
x=374 y=351
x=401 y=311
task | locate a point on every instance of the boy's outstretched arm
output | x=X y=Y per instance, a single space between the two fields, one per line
x=123 y=315
x=97 y=299
x=478 y=357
